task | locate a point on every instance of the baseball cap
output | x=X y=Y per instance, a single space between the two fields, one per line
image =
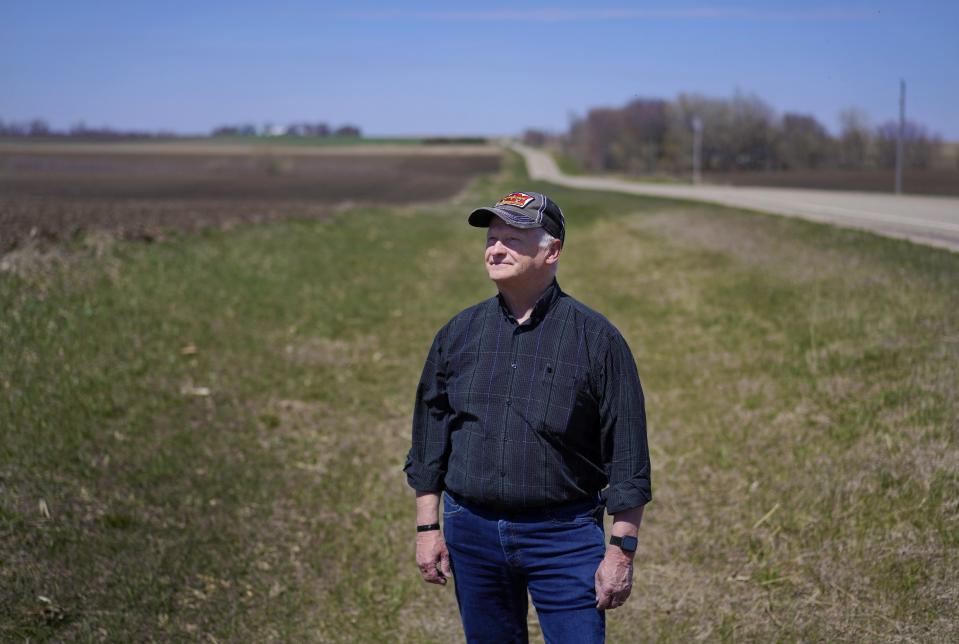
x=524 y=210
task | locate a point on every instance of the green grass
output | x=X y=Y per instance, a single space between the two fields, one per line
x=802 y=404
x=569 y=164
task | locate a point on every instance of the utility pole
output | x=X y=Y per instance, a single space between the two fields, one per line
x=902 y=135
x=697 y=150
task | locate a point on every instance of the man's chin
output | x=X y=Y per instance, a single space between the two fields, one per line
x=499 y=276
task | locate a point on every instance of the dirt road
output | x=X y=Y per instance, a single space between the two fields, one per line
x=933 y=221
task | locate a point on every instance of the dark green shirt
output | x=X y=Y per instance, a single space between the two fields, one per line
x=526 y=416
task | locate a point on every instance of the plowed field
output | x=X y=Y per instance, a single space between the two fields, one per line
x=53 y=193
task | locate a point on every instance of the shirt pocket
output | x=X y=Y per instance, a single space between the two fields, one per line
x=557 y=382
x=563 y=390
x=547 y=373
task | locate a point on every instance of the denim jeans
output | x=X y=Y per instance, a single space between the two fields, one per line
x=554 y=553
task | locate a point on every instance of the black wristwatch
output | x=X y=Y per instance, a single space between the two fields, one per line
x=627 y=544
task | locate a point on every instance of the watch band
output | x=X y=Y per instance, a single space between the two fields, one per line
x=626 y=544
x=427 y=527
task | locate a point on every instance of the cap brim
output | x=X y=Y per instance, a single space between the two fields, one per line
x=482 y=216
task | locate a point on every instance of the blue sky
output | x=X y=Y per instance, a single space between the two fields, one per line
x=459 y=68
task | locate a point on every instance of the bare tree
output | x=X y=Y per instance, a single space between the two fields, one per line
x=595 y=139
x=855 y=139
x=39 y=127
x=349 y=131
x=535 y=138
x=742 y=133
x=803 y=143
x=644 y=130
x=920 y=146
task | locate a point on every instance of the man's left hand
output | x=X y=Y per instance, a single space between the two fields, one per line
x=614 y=579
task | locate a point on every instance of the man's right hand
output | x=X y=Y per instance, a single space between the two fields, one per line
x=432 y=558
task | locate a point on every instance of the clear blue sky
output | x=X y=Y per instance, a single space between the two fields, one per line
x=465 y=68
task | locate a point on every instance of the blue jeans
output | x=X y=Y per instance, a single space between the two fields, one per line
x=554 y=553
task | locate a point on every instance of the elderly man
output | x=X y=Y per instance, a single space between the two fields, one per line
x=529 y=418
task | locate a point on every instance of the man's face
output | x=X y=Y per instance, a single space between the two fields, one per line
x=515 y=253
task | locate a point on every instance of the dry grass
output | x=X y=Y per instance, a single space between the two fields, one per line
x=799 y=458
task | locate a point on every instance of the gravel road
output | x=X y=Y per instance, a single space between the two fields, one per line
x=932 y=221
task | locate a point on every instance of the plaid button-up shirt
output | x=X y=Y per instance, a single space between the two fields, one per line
x=526 y=416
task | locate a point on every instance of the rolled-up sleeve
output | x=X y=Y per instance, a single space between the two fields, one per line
x=622 y=410
x=427 y=459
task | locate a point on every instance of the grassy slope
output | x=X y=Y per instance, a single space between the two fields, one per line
x=568 y=164
x=802 y=403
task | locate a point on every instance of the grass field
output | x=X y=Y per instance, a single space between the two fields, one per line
x=202 y=439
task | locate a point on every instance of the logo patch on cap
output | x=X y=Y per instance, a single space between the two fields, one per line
x=518 y=199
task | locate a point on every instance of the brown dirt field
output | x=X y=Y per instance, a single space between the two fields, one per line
x=55 y=193
x=941 y=181
x=234 y=148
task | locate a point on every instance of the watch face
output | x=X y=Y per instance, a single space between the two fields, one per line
x=629 y=544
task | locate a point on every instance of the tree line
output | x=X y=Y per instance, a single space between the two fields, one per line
x=742 y=133
x=40 y=129
x=304 y=129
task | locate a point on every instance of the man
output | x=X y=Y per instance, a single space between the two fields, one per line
x=529 y=406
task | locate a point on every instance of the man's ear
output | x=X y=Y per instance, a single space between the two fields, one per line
x=554 y=251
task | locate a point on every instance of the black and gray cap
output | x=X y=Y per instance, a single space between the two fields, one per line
x=524 y=210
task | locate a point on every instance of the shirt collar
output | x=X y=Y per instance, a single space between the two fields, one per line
x=543 y=304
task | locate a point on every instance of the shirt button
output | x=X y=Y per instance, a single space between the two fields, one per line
x=513 y=365
x=502 y=473
x=509 y=402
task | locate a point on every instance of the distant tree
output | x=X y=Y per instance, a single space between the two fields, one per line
x=348 y=131
x=317 y=129
x=644 y=131
x=719 y=140
x=753 y=130
x=595 y=140
x=919 y=146
x=739 y=133
x=803 y=143
x=244 y=129
x=535 y=138
x=576 y=143
x=39 y=127
x=855 y=139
